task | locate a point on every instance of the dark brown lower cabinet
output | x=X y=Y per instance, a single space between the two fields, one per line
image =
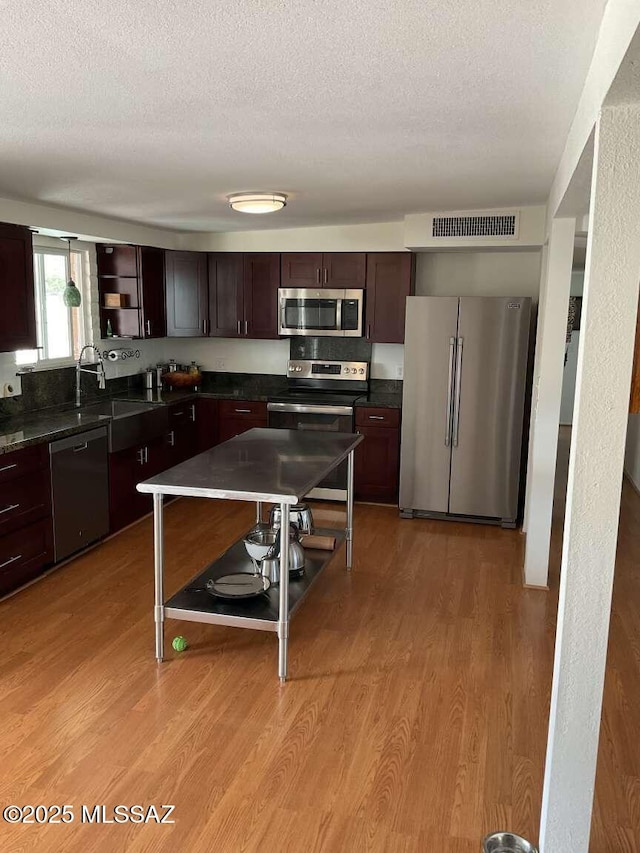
x=377 y=458
x=238 y=416
x=25 y=553
x=26 y=532
x=182 y=437
x=126 y=469
x=206 y=412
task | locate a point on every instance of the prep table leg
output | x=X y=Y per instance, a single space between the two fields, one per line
x=349 y=530
x=158 y=549
x=283 y=616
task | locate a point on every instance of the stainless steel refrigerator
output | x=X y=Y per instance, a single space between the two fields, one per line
x=465 y=376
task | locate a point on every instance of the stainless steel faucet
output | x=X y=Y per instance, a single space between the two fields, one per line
x=98 y=372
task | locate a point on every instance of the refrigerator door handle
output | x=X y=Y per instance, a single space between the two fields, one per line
x=458 y=389
x=452 y=359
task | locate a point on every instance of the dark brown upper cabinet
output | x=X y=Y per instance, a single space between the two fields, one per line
x=136 y=274
x=243 y=294
x=345 y=270
x=390 y=279
x=261 y=283
x=186 y=293
x=226 y=319
x=301 y=269
x=18 y=314
x=154 y=317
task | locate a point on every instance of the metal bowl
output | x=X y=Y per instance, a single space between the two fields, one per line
x=259 y=542
x=299 y=514
x=507 y=842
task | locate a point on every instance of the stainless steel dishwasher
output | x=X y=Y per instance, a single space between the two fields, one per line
x=80 y=491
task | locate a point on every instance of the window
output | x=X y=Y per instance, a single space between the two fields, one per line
x=60 y=330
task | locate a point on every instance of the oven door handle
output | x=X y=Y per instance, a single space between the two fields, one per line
x=304 y=409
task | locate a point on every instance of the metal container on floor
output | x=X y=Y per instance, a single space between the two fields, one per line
x=507 y=842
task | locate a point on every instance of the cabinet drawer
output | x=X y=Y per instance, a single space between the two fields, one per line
x=242 y=409
x=24 y=500
x=377 y=417
x=24 y=554
x=180 y=413
x=23 y=462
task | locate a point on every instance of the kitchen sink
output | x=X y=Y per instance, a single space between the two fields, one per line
x=131 y=422
x=116 y=408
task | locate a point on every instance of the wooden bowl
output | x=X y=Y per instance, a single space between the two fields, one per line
x=177 y=379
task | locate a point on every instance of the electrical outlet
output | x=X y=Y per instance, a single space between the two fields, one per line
x=13 y=388
x=399 y=371
x=219 y=364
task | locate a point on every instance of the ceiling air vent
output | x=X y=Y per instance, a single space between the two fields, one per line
x=495 y=225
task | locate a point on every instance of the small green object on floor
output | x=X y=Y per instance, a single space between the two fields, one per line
x=179 y=643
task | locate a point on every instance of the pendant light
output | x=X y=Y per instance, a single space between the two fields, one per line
x=257 y=202
x=71 y=295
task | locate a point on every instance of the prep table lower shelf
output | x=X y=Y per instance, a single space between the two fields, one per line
x=260 y=612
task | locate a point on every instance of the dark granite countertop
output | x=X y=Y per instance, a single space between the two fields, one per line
x=58 y=422
x=52 y=424
x=381 y=401
x=45 y=426
x=166 y=398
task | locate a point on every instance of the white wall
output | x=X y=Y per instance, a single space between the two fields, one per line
x=478 y=274
x=632 y=455
x=372 y=237
x=87 y=225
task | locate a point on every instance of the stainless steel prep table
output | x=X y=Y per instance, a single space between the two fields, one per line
x=275 y=465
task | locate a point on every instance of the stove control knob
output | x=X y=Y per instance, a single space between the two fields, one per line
x=291 y=367
x=298 y=369
x=361 y=370
x=354 y=370
x=346 y=369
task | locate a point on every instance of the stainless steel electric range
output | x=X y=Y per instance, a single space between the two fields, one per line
x=320 y=396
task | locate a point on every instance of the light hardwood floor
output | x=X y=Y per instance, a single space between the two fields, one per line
x=415 y=718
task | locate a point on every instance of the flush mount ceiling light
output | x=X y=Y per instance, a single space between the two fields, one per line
x=257 y=202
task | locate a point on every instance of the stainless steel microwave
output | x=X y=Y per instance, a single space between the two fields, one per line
x=303 y=311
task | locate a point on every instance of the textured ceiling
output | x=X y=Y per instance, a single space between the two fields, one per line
x=362 y=110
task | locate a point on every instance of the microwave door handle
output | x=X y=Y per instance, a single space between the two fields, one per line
x=339 y=314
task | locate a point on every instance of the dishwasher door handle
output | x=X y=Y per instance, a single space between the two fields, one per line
x=9 y=561
x=9 y=508
x=79 y=447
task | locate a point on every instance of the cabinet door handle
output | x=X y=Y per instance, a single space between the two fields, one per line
x=9 y=508
x=141 y=455
x=368 y=331
x=246 y=327
x=239 y=327
x=376 y=417
x=326 y=276
x=243 y=411
x=10 y=560
x=193 y=412
x=318 y=276
x=149 y=327
x=172 y=439
x=177 y=414
x=8 y=467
